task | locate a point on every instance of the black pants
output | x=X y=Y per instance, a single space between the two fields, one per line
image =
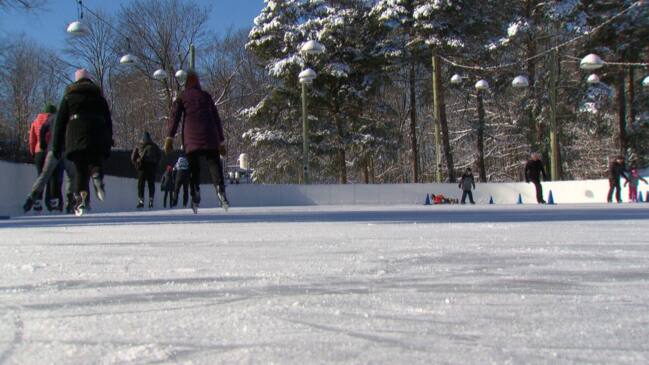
x=87 y=165
x=468 y=193
x=213 y=164
x=182 y=180
x=539 y=191
x=146 y=175
x=614 y=185
x=167 y=197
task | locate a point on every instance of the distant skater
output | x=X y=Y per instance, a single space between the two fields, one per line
x=37 y=152
x=467 y=182
x=634 y=181
x=616 y=170
x=534 y=170
x=167 y=186
x=146 y=157
x=84 y=132
x=181 y=180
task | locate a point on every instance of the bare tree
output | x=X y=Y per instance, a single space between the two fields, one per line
x=32 y=77
x=96 y=50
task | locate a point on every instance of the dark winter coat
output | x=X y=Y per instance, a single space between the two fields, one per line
x=617 y=170
x=533 y=171
x=147 y=153
x=167 y=182
x=83 y=126
x=45 y=135
x=202 y=129
x=467 y=182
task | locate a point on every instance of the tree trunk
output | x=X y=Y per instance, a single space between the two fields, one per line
x=630 y=97
x=341 y=156
x=621 y=142
x=481 y=125
x=440 y=116
x=413 y=123
x=536 y=132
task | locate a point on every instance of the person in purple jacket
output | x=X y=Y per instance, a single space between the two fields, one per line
x=202 y=136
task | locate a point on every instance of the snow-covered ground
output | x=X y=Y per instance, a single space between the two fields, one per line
x=308 y=285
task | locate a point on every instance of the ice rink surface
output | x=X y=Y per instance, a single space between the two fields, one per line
x=310 y=285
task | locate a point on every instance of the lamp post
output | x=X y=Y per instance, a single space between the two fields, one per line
x=480 y=87
x=308 y=49
x=306 y=78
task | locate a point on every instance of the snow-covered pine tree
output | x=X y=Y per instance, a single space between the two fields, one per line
x=623 y=39
x=347 y=77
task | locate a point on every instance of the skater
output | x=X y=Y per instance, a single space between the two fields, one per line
x=51 y=167
x=533 y=172
x=634 y=181
x=467 y=182
x=615 y=171
x=181 y=179
x=53 y=197
x=146 y=158
x=202 y=136
x=167 y=186
x=37 y=153
x=83 y=133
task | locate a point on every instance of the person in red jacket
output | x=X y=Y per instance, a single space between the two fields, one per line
x=35 y=150
x=202 y=136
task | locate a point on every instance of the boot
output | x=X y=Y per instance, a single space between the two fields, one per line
x=140 y=203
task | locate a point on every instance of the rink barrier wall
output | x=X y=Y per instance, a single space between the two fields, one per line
x=16 y=180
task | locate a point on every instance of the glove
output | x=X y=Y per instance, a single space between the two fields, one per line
x=222 y=150
x=169 y=145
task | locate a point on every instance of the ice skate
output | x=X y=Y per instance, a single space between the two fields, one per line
x=81 y=207
x=38 y=206
x=29 y=203
x=99 y=187
x=225 y=204
x=140 y=204
x=150 y=203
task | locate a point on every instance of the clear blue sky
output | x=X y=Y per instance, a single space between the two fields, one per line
x=47 y=26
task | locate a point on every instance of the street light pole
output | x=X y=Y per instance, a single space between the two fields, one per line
x=305 y=137
x=306 y=77
x=480 y=139
x=192 y=57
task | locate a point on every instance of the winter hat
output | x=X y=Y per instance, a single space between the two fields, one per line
x=49 y=108
x=81 y=73
x=192 y=80
x=146 y=138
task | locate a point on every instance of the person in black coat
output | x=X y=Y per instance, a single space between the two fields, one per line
x=533 y=171
x=84 y=132
x=616 y=170
x=167 y=186
x=145 y=158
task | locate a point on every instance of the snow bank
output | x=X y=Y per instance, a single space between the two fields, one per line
x=16 y=181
